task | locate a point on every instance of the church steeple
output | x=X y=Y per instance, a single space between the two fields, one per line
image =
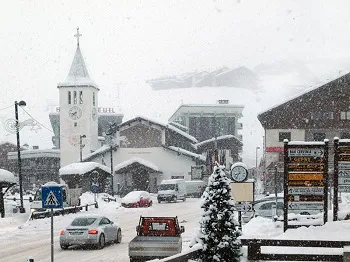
x=78 y=74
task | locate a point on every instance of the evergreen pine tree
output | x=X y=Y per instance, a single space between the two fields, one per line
x=219 y=228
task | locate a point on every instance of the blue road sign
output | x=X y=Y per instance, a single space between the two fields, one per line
x=52 y=197
x=94 y=188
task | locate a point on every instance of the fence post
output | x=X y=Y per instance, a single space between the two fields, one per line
x=254 y=250
x=346 y=253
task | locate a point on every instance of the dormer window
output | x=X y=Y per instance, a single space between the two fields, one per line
x=80 y=97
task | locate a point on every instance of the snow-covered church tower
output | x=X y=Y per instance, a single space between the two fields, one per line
x=78 y=100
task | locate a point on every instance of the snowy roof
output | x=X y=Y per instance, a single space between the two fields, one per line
x=103 y=149
x=185 y=109
x=216 y=139
x=82 y=168
x=6 y=176
x=136 y=160
x=6 y=142
x=312 y=143
x=304 y=92
x=162 y=124
x=34 y=153
x=186 y=152
x=239 y=164
x=178 y=125
x=78 y=74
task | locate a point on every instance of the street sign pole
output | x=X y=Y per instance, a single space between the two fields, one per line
x=335 y=179
x=285 y=186
x=52 y=198
x=325 y=182
x=240 y=220
x=51 y=234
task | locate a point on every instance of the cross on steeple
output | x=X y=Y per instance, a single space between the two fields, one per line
x=77 y=35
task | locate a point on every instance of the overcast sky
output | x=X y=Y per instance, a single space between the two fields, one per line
x=129 y=41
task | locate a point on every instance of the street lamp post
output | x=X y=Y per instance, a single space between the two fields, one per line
x=256 y=156
x=21 y=208
x=81 y=146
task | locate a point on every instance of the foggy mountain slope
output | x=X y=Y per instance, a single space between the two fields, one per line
x=137 y=97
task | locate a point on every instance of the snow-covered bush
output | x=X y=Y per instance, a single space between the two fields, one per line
x=218 y=225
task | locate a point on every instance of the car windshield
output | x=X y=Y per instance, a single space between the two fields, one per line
x=83 y=221
x=167 y=187
x=37 y=196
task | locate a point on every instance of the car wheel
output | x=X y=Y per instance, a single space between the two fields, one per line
x=159 y=201
x=184 y=198
x=175 y=199
x=119 y=236
x=150 y=203
x=101 y=241
x=64 y=247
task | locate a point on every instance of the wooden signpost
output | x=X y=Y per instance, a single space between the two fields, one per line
x=305 y=177
x=341 y=179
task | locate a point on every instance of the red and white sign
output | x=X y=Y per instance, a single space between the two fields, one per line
x=274 y=149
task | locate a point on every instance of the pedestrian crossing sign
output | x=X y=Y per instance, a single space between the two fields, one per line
x=52 y=197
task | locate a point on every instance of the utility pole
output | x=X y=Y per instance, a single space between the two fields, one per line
x=112 y=130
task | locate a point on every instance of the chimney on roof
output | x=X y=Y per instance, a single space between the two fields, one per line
x=35 y=147
x=223 y=101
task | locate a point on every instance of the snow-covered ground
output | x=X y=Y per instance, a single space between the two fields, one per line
x=21 y=238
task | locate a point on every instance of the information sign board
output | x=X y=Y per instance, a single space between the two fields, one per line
x=297 y=167
x=313 y=152
x=306 y=159
x=344 y=188
x=344 y=180
x=308 y=183
x=305 y=176
x=243 y=191
x=306 y=198
x=344 y=173
x=305 y=190
x=244 y=206
x=344 y=149
x=305 y=205
x=344 y=165
x=344 y=158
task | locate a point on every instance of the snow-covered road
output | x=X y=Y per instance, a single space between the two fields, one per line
x=19 y=240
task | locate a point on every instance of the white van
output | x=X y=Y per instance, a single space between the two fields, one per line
x=195 y=188
x=172 y=190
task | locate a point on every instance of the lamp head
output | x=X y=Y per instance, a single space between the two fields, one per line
x=22 y=103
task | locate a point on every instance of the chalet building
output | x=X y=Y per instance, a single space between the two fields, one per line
x=146 y=152
x=318 y=114
x=237 y=77
x=6 y=147
x=38 y=166
x=207 y=121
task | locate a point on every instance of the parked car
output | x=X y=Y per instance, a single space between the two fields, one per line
x=263 y=208
x=137 y=199
x=94 y=230
x=172 y=190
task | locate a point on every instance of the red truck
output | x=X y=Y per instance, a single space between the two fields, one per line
x=157 y=237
